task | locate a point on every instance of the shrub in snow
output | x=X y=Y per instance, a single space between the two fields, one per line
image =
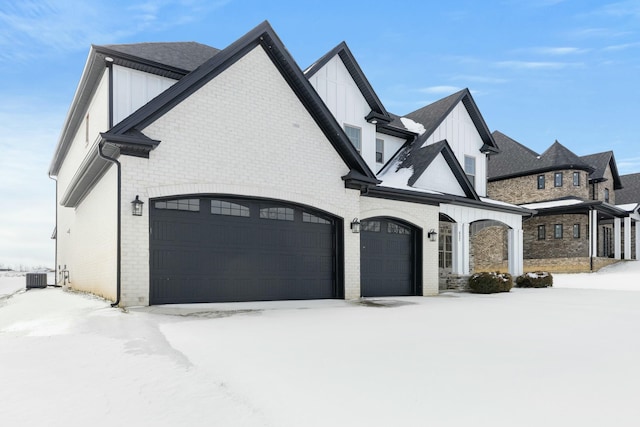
x=536 y=279
x=490 y=283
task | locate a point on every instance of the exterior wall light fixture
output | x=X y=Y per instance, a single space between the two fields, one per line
x=355 y=225
x=432 y=235
x=136 y=207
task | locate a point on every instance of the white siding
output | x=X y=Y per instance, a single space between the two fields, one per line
x=86 y=237
x=132 y=89
x=345 y=101
x=439 y=177
x=463 y=137
x=391 y=145
x=263 y=143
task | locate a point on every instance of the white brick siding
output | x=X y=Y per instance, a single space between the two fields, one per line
x=244 y=133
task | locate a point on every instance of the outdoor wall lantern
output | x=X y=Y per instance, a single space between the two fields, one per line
x=136 y=207
x=355 y=225
x=432 y=235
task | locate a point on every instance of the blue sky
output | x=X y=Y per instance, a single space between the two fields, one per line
x=539 y=70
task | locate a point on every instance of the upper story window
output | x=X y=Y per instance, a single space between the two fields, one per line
x=540 y=182
x=541 y=232
x=355 y=136
x=557 y=231
x=576 y=231
x=557 y=179
x=576 y=179
x=470 y=169
x=379 y=150
x=606 y=195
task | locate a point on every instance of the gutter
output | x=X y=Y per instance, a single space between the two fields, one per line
x=119 y=220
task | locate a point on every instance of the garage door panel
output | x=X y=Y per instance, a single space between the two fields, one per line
x=258 y=254
x=388 y=258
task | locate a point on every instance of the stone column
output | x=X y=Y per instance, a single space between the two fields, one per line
x=627 y=237
x=617 y=252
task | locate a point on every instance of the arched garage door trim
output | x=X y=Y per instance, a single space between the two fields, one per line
x=223 y=248
x=390 y=257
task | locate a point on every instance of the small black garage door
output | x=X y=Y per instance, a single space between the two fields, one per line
x=211 y=249
x=388 y=254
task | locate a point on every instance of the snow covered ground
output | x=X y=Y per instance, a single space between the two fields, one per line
x=560 y=356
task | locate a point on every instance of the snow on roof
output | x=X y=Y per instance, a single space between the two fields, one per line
x=399 y=180
x=629 y=207
x=498 y=202
x=413 y=126
x=552 y=204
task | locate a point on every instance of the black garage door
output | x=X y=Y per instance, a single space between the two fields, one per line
x=387 y=258
x=227 y=249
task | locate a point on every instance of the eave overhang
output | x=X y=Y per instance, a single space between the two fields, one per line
x=584 y=207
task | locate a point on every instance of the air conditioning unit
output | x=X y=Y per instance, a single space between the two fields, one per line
x=36 y=280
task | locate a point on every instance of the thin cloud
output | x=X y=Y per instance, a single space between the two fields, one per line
x=619 y=47
x=598 y=32
x=559 y=51
x=435 y=90
x=35 y=28
x=536 y=65
x=481 y=79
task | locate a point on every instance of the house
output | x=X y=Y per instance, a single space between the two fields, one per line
x=438 y=151
x=577 y=226
x=187 y=174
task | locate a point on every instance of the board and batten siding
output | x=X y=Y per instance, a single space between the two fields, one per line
x=463 y=137
x=263 y=143
x=340 y=93
x=439 y=177
x=87 y=234
x=132 y=89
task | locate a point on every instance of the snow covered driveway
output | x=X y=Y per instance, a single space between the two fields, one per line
x=532 y=357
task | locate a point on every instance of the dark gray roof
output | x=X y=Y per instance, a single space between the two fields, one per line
x=599 y=162
x=630 y=191
x=515 y=159
x=419 y=158
x=432 y=115
x=512 y=159
x=186 y=56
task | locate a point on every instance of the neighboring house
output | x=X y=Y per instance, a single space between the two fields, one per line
x=437 y=152
x=578 y=225
x=190 y=174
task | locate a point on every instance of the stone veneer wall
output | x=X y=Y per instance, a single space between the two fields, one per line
x=489 y=250
x=550 y=247
x=524 y=189
x=567 y=265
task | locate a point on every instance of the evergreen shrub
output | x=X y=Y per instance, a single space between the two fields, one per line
x=536 y=279
x=490 y=283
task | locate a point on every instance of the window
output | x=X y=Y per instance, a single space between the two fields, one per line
x=541 y=232
x=557 y=231
x=379 y=150
x=557 y=179
x=606 y=195
x=470 y=169
x=540 y=182
x=279 y=213
x=576 y=231
x=220 y=207
x=192 y=205
x=307 y=217
x=576 y=179
x=397 y=229
x=354 y=135
x=370 y=226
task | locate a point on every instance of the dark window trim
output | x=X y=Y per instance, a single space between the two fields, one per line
x=557 y=227
x=555 y=179
x=542 y=232
x=576 y=231
x=540 y=182
x=576 y=179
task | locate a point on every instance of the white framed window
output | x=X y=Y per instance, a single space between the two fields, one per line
x=379 y=150
x=470 y=169
x=355 y=136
